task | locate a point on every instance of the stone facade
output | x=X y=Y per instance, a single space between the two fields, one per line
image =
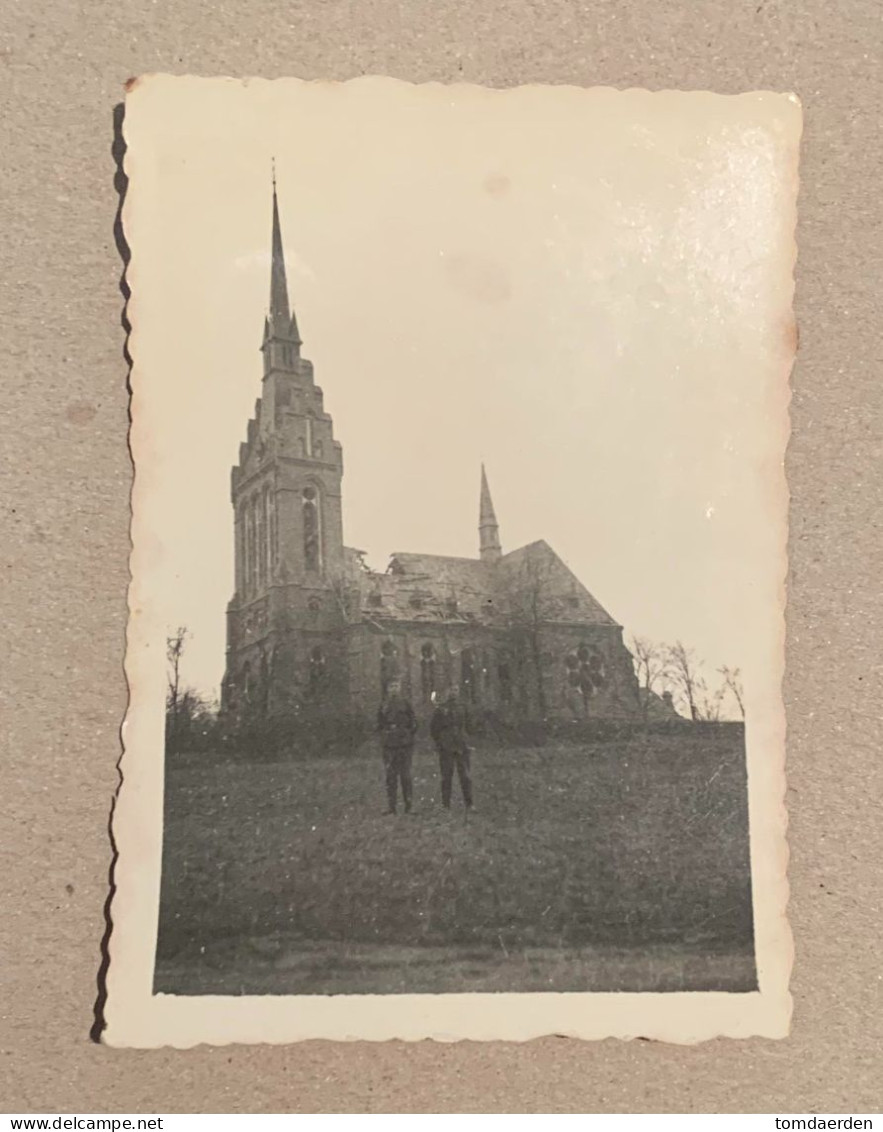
x=310 y=624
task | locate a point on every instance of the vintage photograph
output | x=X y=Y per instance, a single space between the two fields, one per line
x=459 y=533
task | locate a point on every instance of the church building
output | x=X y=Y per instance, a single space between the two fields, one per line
x=310 y=624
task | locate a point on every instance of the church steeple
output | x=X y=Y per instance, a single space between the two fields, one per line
x=281 y=338
x=279 y=308
x=488 y=529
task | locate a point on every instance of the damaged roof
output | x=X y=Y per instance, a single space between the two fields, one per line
x=530 y=582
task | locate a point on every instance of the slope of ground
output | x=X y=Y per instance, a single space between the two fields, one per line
x=617 y=866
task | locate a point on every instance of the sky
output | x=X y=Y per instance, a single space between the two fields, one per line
x=589 y=291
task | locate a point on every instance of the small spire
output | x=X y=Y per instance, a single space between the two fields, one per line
x=282 y=321
x=280 y=311
x=488 y=529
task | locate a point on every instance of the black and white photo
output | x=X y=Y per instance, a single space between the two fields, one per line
x=459 y=531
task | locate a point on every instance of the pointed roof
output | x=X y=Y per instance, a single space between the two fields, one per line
x=488 y=529
x=282 y=319
x=537 y=571
x=486 y=515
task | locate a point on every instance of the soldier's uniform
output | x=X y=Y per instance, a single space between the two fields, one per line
x=397 y=724
x=448 y=730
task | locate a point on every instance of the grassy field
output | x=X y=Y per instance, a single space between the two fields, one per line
x=616 y=866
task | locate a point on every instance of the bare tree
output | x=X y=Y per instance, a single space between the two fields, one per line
x=194 y=722
x=675 y=669
x=187 y=712
x=651 y=665
x=175 y=645
x=696 y=696
x=710 y=703
x=685 y=677
x=733 y=684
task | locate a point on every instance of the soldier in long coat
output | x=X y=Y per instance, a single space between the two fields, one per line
x=397 y=724
x=448 y=730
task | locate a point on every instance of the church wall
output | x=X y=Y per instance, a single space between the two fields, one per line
x=303 y=630
x=431 y=658
x=570 y=677
x=422 y=657
x=287 y=623
x=312 y=673
x=289 y=673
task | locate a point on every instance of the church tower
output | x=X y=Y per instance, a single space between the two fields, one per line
x=286 y=495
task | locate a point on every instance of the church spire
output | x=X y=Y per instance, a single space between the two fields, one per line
x=281 y=323
x=279 y=308
x=488 y=530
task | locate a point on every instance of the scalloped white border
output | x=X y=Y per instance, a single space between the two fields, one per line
x=136 y=1017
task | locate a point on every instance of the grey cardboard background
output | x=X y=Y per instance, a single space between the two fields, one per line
x=67 y=477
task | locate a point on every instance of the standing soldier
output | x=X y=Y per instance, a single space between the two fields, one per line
x=397 y=723
x=448 y=730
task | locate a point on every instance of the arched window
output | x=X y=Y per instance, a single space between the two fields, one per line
x=248 y=518
x=312 y=529
x=467 y=675
x=245 y=683
x=427 y=671
x=255 y=545
x=261 y=544
x=309 y=436
x=389 y=665
x=273 y=539
x=250 y=547
x=240 y=551
x=268 y=535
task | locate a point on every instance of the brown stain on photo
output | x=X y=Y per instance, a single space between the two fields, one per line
x=497 y=185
